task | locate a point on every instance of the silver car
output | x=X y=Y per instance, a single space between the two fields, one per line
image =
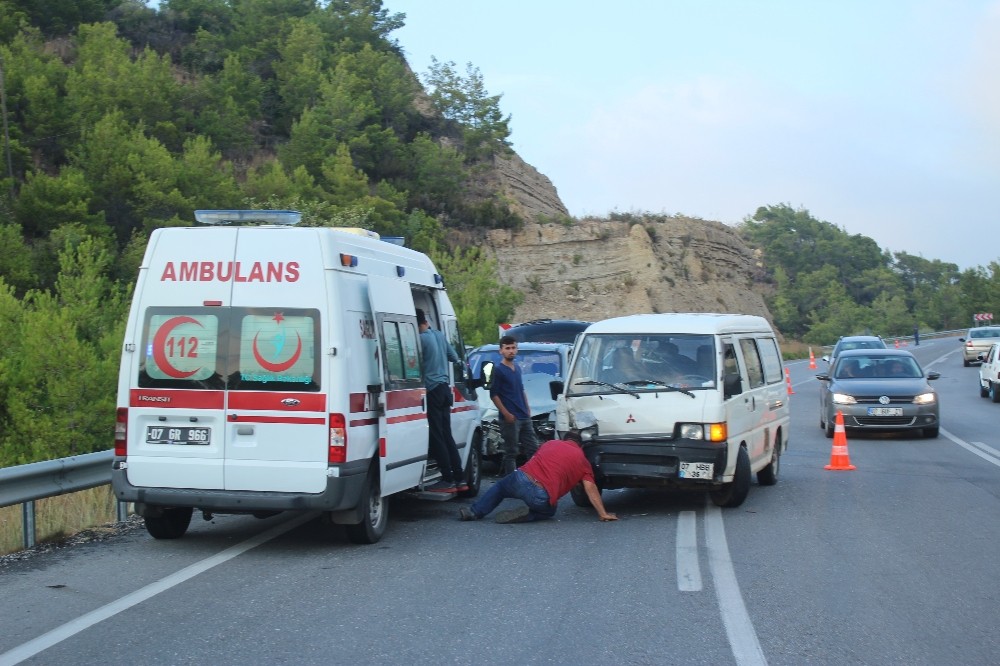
x=879 y=390
x=977 y=341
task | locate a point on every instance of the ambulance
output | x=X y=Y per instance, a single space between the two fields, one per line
x=271 y=367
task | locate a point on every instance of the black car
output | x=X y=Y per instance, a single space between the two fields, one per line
x=547 y=330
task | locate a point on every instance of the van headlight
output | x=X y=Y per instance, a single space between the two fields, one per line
x=708 y=432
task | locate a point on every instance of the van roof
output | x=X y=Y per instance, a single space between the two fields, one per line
x=682 y=322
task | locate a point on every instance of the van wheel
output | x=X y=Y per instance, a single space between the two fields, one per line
x=769 y=475
x=579 y=496
x=733 y=493
x=376 y=513
x=983 y=390
x=171 y=525
x=473 y=469
x=994 y=392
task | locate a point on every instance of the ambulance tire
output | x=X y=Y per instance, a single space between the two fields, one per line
x=579 y=496
x=473 y=468
x=375 y=513
x=171 y=524
x=733 y=493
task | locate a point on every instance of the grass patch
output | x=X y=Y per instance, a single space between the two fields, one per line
x=58 y=517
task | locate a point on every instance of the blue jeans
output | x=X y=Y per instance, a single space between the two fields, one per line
x=517 y=485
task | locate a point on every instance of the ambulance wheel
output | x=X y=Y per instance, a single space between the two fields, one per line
x=473 y=469
x=733 y=493
x=172 y=524
x=375 y=513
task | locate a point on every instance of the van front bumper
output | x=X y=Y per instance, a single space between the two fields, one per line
x=343 y=492
x=652 y=463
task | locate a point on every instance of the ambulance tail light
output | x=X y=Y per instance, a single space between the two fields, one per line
x=338 y=439
x=121 y=432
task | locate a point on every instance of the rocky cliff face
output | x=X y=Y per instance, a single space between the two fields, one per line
x=592 y=269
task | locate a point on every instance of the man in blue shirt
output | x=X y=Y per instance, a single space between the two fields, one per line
x=436 y=354
x=507 y=393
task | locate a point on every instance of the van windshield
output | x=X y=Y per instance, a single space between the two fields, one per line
x=643 y=362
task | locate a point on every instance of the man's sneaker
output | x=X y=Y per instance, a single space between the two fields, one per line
x=466 y=514
x=518 y=515
x=461 y=486
x=441 y=486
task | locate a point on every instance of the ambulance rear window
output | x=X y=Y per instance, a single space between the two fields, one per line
x=242 y=349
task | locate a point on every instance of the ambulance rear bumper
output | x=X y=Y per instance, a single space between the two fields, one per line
x=342 y=492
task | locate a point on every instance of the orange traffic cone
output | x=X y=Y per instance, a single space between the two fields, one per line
x=812 y=359
x=788 y=381
x=839 y=460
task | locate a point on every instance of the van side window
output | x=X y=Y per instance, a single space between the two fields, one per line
x=755 y=371
x=731 y=365
x=771 y=357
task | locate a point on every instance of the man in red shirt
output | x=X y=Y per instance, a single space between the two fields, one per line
x=558 y=465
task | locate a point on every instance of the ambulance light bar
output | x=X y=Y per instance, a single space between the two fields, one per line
x=217 y=217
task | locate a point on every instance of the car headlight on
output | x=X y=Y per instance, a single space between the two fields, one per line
x=844 y=399
x=925 y=399
x=709 y=432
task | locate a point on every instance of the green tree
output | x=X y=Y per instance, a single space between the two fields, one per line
x=480 y=301
x=465 y=100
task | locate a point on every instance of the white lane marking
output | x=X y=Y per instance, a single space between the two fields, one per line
x=688 y=569
x=61 y=633
x=739 y=629
x=972 y=448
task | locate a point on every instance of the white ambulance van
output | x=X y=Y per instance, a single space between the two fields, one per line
x=274 y=367
x=688 y=401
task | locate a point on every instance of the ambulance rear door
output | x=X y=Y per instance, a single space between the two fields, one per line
x=403 y=417
x=277 y=423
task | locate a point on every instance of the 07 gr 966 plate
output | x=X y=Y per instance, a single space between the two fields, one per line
x=183 y=435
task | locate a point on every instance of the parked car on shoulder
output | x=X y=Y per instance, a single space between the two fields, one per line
x=879 y=390
x=977 y=341
x=989 y=373
x=854 y=342
x=540 y=363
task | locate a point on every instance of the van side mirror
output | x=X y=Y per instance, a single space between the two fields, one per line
x=732 y=384
x=556 y=387
x=487 y=374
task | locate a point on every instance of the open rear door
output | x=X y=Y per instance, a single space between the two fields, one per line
x=403 y=419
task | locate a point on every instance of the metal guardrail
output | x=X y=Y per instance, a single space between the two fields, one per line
x=23 y=484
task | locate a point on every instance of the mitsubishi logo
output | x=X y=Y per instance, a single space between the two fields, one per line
x=630 y=419
x=884 y=400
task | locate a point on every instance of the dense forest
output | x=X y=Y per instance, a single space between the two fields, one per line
x=119 y=118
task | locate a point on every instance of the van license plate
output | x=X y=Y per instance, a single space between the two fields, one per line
x=695 y=470
x=183 y=435
x=885 y=411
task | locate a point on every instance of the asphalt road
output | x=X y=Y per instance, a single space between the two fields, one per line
x=891 y=563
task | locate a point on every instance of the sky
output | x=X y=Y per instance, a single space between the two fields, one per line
x=880 y=117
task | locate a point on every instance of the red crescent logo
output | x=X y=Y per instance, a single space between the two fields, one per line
x=277 y=367
x=160 y=347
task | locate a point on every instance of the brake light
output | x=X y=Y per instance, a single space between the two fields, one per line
x=338 y=439
x=121 y=432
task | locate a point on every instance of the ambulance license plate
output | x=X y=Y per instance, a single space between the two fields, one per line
x=885 y=411
x=696 y=470
x=183 y=435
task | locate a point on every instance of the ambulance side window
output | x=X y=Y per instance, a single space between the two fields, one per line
x=401 y=349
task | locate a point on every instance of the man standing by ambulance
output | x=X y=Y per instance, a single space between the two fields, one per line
x=436 y=354
x=507 y=393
